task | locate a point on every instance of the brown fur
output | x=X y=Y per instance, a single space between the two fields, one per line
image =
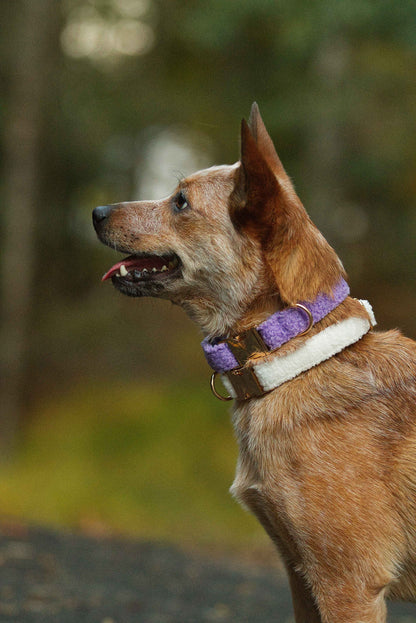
x=328 y=460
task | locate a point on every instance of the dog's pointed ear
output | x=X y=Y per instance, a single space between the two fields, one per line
x=260 y=178
x=266 y=207
x=261 y=181
x=265 y=143
x=256 y=185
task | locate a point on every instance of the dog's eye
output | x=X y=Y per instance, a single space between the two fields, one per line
x=180 y=203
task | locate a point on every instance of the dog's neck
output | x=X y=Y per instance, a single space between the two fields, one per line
x=269 y=335
x=240 y=358
x=262 y=307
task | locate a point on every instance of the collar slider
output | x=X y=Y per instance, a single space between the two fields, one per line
x=247 y=344
x=244 y=383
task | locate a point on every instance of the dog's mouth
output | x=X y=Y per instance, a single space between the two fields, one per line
x=134 y=272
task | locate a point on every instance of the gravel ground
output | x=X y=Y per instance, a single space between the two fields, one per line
x=50 y=576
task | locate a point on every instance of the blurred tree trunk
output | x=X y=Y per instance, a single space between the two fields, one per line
x=35 y=24
x=325 y=146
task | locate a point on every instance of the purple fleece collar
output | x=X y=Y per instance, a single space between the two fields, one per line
x=278 y=329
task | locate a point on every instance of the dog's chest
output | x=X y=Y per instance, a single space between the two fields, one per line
x=265 y=440
x=266 y=481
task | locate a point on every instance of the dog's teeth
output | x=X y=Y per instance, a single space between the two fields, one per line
x=154 y=270
x=144 y=271
x=164 y=268
x=123 y=271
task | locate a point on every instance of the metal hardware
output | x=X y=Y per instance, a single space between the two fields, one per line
x=245 y=383
x=310 y=318
x=214 y=391
x=244 y=346
x=250 y=345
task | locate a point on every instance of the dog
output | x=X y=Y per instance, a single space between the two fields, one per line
x=324 y=406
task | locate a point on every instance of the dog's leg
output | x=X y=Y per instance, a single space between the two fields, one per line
x=341 y=595
x=303 y=603
x=350 y=603
x=318 y=595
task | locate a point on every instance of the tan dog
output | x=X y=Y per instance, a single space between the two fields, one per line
x=326 y=422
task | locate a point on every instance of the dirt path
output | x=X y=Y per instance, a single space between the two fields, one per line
x=55 y=577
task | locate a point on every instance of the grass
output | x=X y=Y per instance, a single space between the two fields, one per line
x=149 y=461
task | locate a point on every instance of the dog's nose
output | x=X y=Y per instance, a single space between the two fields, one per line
x=100 y=214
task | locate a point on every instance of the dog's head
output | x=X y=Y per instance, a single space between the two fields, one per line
x=227 y=238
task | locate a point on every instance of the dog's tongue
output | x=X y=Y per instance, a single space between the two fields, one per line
x=115 y=269
x=135 y=262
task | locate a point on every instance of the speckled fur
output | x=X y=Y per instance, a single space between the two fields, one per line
x=328 y=460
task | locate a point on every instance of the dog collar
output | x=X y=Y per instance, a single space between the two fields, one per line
x=265 y=374
x=248 y=379
x=225 y=354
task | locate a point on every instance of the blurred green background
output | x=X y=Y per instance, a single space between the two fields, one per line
x=107 y=421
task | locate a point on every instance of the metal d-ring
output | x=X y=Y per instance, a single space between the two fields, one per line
x=310 y=318
x=214 y=391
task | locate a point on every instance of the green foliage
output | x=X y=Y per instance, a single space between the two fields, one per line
x=154 y=461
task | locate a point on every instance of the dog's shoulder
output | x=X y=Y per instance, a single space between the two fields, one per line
x=385 y=352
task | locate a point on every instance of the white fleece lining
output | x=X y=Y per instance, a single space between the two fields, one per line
x=369 y=311
x=318 y=348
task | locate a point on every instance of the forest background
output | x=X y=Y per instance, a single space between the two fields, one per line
x=107 y=421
